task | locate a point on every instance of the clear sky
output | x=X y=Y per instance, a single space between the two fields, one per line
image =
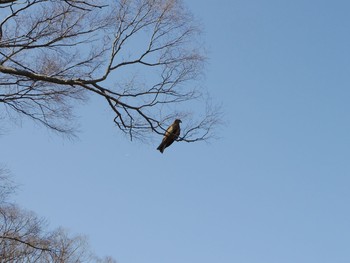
x=273 y=189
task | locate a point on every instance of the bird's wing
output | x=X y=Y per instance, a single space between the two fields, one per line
x=170 y=130
x=173 y=131
x=171 y=134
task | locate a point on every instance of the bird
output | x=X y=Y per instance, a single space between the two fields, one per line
x=171 y=134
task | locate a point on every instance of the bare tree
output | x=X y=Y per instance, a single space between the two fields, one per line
x=140 y=56
x=23 y=237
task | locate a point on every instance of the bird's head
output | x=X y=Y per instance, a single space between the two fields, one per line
x=178 y=121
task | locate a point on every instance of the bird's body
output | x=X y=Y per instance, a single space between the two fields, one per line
x=171 y=134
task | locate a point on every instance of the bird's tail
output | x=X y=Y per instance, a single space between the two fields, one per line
x=160 y=148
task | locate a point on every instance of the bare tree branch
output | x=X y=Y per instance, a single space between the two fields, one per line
x=140 y=55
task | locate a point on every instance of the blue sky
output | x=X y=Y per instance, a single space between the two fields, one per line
x=274 y=188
